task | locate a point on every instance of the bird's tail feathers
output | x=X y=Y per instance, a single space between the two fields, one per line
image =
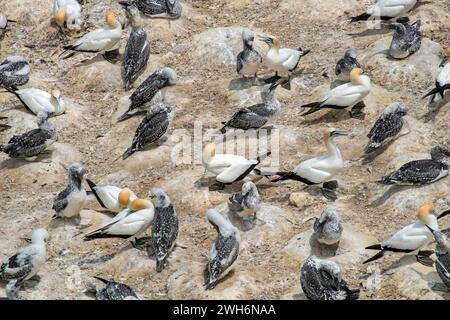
x=379 y=255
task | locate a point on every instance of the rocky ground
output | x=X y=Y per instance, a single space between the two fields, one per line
x=201 y=46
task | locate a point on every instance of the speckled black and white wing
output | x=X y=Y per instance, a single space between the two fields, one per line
x=413 y=38
x=147 y=90
x=246 y=119
x=164 y=234
x=61 y=200
x=29 y=144
x=261 y=110
x=417 y=172
x=158 y=7
x=19 y=265
x=115 y=291
x=386 y=128
x=14 y=71
x=344 y=66
x=151 y=129
x=137 y=52
x=443 y=268
x=236 y=203
x=247 y=56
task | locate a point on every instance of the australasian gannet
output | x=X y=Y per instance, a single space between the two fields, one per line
x=249 y=60
x=112 y=198
x=36 y=100
x=169 y=9
x=443 y=256
x=246 y=202
x=14 y=71
x=386 y=10
x=114 y=291
x=443 y=79
x=67 y=13
x=328 y=228
x=406 y=39
x=346 y=64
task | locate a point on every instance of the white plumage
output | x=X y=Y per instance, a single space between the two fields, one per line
x=68 y=11
x=37 y=100
x=391 y=8
x=113 y=198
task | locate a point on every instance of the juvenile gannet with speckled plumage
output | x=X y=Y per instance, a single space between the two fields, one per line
x=443 y=256
x=36 y=100
x=4 y=21
x=157 y=81
x=247 y=202
x=224 y=251
x=67 y=13
x=327 y=228
x=386 y=10
x=248 y=60
x=406 y=39
x=411 y=238
x=169 y=9
x=443 y=78
x=114 y=291
x=113 y=198
x=348 y=95
x=14 y=71
x=69 y=202
x=346 y=64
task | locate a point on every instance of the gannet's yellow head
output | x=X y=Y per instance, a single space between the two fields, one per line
x=355 y=74
x=56 y=93
x=140 y=204
x=276 y=43
x=60 y=15
x=124 y=197
x=424 y=211
x=332 y=132
x=326 y=134
x=209 y=150
x=447 y=52
x=111 y=19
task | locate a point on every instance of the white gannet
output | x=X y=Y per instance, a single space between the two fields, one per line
x=248 y=60
x=66 y=13
x=100 y=40
x=112 y=198
x=69 y=202
x=322 y=280
x=228 y=168
x=169 y=9
x=224 y=250
x=346 y=64
x=411 y=238
x=36 y=100
x=420 y=172
x=387 y=128
x=348 y=95
x=247 y=202
x=14 y=71
x=443 y=256
x=4 y=21
x=137 y=50
x=328 y=228
x=114 y=291
x=32 y=143
x=157 y=81
x=152 y=128
x=164 y=228
x=386 y=10
x=443 y=78
x=406 y=39
x=134 y=222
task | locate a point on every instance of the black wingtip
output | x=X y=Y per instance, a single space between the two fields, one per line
x=127 y=153
x=92 y=185
x=374 y=247
x=223 y=130
x=443 y=214
x=379 y=255
x=361 y=17
x=101 y=279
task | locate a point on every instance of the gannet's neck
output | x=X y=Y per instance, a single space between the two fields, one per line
x=56 y=103
x=333 y=151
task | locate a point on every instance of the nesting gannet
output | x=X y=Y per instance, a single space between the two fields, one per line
x=14 y=71
x=247 y=202
x=443 y=78
x=100 y=40
x=406 y=39
x=348 y=95
x=421 y=172
x=443 y=256
x=36 y=100
x=388 y=127
x=137 y=50
x=4 y=21
x=31 y=143
x=165 y=227
x=113 y=198
x=114 y=291
x=248 y=60
x=322 y=280
x=170 y=9
x=386 y=10
x=327 y=228
x=134 y=222
x=157 y=81
x=152 y=128
x=228 y=168
x=411 y=238
x=346 y=64
x=69 y=202
x=67 y=13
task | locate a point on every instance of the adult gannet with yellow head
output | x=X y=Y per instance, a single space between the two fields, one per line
x=112 y=198
x=66 y=13
x=386 y=10
x=36 y=100
x=443 y=78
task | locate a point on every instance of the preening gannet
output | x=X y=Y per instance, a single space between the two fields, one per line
x=328 y=228
x=152 y=128
x=113 y=198
x=346 y=64
x=67 y=13
x=159 y=80
x=386 y=10
x=247 y=202
x=443 y=78
x=14 y=71
x=36 y=100
x=411 y=237
x=421 y=172
x=137 y=50
x=443 y=256
x=31 y=143
x=100 y=40
x=114 y=291
x=164 y=229
x=406 y=39
x=322 y=280
x=348 y=95
x=248 y=60
x=169 y=9
x=224 y=251
x=69 y=202
x=4 y=21
x=228 y=168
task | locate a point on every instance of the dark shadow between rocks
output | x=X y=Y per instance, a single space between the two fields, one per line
x=389 y=193
x=370 y=32
x=14 y=163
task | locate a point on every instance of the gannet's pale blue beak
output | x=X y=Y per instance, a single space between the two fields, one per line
x=339 y=133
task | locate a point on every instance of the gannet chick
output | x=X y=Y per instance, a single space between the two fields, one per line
x=228 y=168
x=443 y=255
x=14 y=71
x=4 y=21
x=443 y=78
x=256 y=116
x=327 y=228
x=169 y=9
x=420 y=172
x=69 y=202
x=112 y=198
x=224 y=251
x=114 y=291
x=348 y=95
x=247 y=202
x=138 y=218
x=67 y=13
x=386 y=10
x=158 y=81
x=322 y=280
x=387 y=128
x=406 y=40
x=36 y=100
x=346 y=64
x=248 y=60
x=165 y=227
x=411 y=237
x=137 y=50
x=31 y=143
x=100 y=40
